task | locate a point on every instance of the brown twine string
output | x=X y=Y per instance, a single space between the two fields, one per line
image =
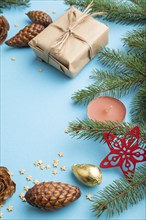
x=57 y=48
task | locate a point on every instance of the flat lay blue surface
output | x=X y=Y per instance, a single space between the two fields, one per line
x=35 y=110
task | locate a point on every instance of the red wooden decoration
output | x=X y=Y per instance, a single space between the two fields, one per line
x=124 y=152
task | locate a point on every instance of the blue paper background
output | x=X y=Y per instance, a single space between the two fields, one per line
x=35 y=111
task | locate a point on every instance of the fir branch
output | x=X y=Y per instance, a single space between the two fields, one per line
x=88 y=129
x=116 y=197
x=108 y=83
x=138 y=110
x=122 y=62
x=8 y=3
x=119 y=11
x=136 y=41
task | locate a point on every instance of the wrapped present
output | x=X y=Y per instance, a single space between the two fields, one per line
x=72 y=41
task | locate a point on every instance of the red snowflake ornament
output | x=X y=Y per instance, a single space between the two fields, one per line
x=125 y=152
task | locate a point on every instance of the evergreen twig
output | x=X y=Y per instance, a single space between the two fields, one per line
x=88 y=129
x=8 y=3
x=108 y=83
x=136 y=41
x=119 y=11
x=138 y=109
x=116 y=197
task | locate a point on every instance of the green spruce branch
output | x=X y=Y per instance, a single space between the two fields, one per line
x=138 y=106
x=89 y=129
x=109 y=83
x=136 y=41
x=8 y=3
x=118 y=11
x=116 y=197
x=121 y=61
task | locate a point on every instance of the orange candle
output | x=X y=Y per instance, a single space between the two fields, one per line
x=106 y=108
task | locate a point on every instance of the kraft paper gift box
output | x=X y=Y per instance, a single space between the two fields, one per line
x=71 y=42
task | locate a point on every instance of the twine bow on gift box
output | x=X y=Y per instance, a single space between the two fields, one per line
x=74 y=22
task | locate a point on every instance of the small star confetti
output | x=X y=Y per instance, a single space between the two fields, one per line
x=23 y=199
x=36 y=163
x=55 y=164
x=29 y=178
x=22 y=171
x=42 y=167
x=16 y=25
x=1 y=214
x=11 y=174
x=54 y=12
x=21 y=195
x=56 y=161
x=89 y=196
x=48 y=10
x=61 y=154
x=26 y=188
x=40 y=70
x=40 y=162
x=10 y=208
x=35 y=181
x=13 y=58
x=66 y=130
x=63 y=168
x=47 y=166
x=54 y=172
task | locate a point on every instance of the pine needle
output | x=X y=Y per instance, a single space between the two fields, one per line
x=8 y=3
x=108 y=83
x=89 y=129
x=118 y=11
x=116 y=197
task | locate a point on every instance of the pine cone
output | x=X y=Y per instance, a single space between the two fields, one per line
x=4 y=27
x=39 y=17
x=52 y=195
x=7 y=186
x=25 y=35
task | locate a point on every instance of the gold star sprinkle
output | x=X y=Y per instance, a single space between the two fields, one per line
x=22 y=171
x=54 y=172
x=54 y=12
x=42 y=167
x=66 y=130
x=40 y=70
x=1 y=214
x=36 y=163
x=26 y=188
x=63 y=168
x=29 y=178
x=55 y=164
x=10 y=208
x=56 y=161
x=48 y=10
x=47 y=166
x=16 y=25
x=13 y=58
x=40 y=162
x=11 y=174
x=21 y=195
x=61 y=154
x=23 y=199
x=89 y=196
x=35 y=181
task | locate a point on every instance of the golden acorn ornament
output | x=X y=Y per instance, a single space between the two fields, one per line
x=88 y=174
x=40 y=17
x=52 y=195
x=4 y=27
x=25 y=35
